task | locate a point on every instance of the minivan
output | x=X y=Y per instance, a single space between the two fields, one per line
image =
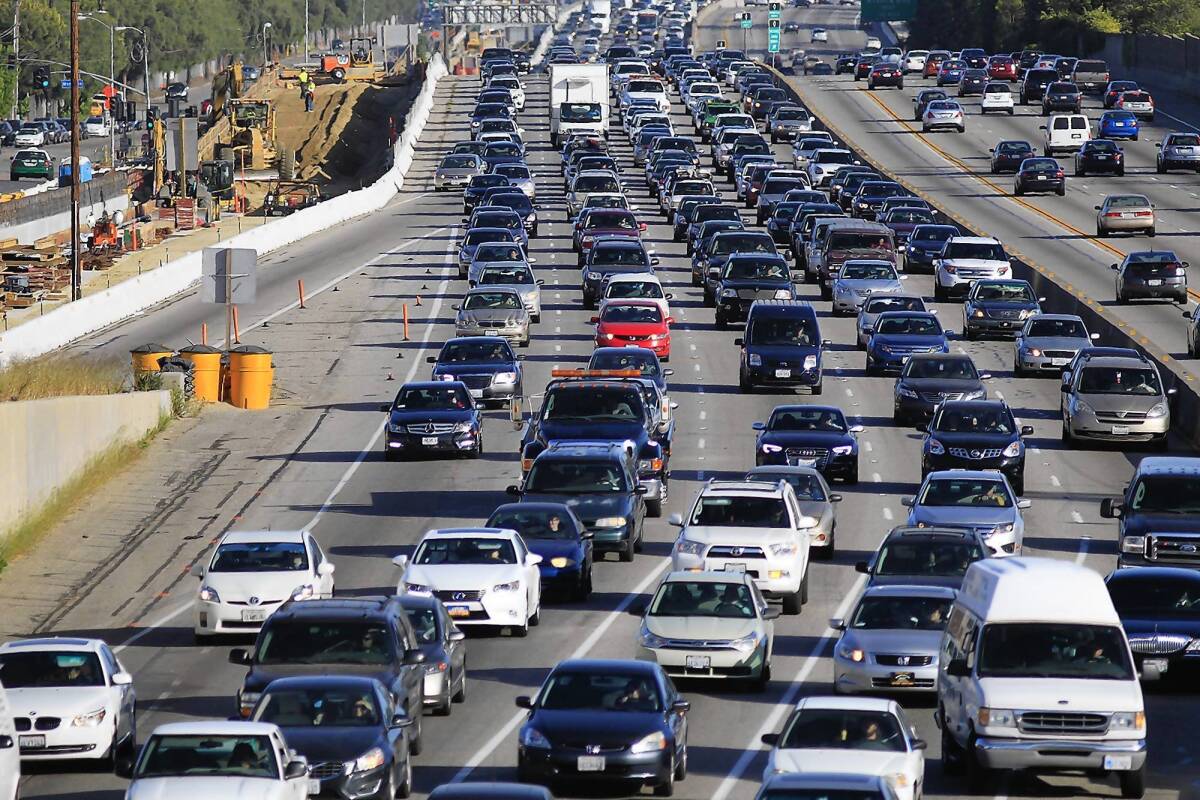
x=1035 y=672
x=781 y=346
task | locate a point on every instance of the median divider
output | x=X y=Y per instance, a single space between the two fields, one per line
x=543 y=45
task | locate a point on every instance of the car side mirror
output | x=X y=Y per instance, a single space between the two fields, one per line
x=431 y=359
x=594 y=320
x=920 y=744
x=524 y=701
x=197 y=570
x=681 y=706
x=857 y=429
x=1097 y=208
x=297 y=768
x=513 y=490
x=1023 y=504
x=770 y=739
x=400 y=721
x=861 y=566
x=987 y=376
x=400 y=561
x=1111 y=509
x=456 y=307
x=923 y=427
x=532 y=560
x=385 y=407
x=907 y=502
x=957 y=668
x=1041 y=127
x=122 y=679
x=837 y=623
x=413 y=657
x=676 y=520
x=758 y=426
x=123 y=768
x=771 y=613
x=239 y=656
x=642 y=489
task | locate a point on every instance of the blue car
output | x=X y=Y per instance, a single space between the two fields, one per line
x=554 y=532
x=924 y=245
x=898 y=335
x=1118 y=125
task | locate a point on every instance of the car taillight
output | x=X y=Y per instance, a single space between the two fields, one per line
x=1058 y=174
x=1112 y=213
x=1143 y=213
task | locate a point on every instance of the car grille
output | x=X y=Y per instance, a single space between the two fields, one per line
x=903 y=661
x=962 y=452
x=431 y=428
x=1159 y=644
x=38 y=724
x=1061 y=723
x=591 y=748
x=732 y=551
x=1183 y=548
x=756 y=294
x=1059 y=353
x=1120 y=416
x=690 y=644
x=1002 y=313
x=794 y=454
x=260 y=602
x=618 y=338
x=974 y=273
x=326 y=770
x=937 y=397
x=475 y=381
x=458 y=595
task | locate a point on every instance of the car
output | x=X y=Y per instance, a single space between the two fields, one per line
x=923 y=98
x=480 y=235
x=997 y=97
x=519 y=177
x=346 y=728
x=226 y=757
x=914 y=61
x=1116 y=399
x=1125 y=213
x=924 y=556
x=1047 y=343
x=819 y=35
x=941 y=114
x=786 y=786
x=442 y=643
x=824 y=162
x=53 y=679
x=1150 y=602
x=1065 y=132
x=1008 y=155
x=1118 y=125
x=998 y=307
x=972 y=82
x=516 y=275
x=868 y=199
x=903 y=220
x=746 y=277
x=1155 y=520
x=640 y=323
x=250 y=574
x=927 y=380
x=484 y=576
x=631 y=704
x=809 y=436
x=1151 y=274
x=611 y=256
x=976 y=434
x=845 y=63
x=1039 y=176
x=821 y=68
x=965 y=260
x=816 y=501
x=852 y=737
x=1034 y=83
x=31 y=163
x=873 y=43
x=604 y=223
x=492 y=311
x=1062 y=96
x=1100 y=155
x=781 y=345
x=456 y=170
x=627 y=359
x=950 y=72
x=1003 y=68
x=791 y=27
x=789 y=122
x=1138 y=102
x=477 y=187
x=896 y=336
x=755 y=527
x=433 y=417
x=863 y=66
x=31 y=135
x=873 y=307
x=503 y=152
x=859 y=278
x=924 y=245
x=486 y=365
x=885 y=73
x=554 y=532
x=1193 y=334
x=620 y=286
x=1177 y=151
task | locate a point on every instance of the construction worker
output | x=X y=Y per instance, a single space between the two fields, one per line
x=308 y=99
x=303 y=82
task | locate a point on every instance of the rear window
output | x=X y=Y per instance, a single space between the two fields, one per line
x=1091 y=66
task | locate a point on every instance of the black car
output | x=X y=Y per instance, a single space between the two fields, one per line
x=885 y=74
x=708 y=213
x=928 y=380
x=998 y=307
x=976 y=434
x=554 y=532
x=747 y=277
x=845 y=63
x=641 y=359
x=809 y=436
x=1034 y=83
x=486 y=365
x=1061 y=96
x=782 y=346
x=819 y=69
x=779 y=225
x=1007 y=155
x=863 y=66
x=339 y=720
x=710 y=256
x=361 y=636
x=924 y=556
x=599 y=720
x=445 y=649
x=432 y=417
x=1040 y=176
x=1151 y=275
x=598 y=481
x=477 y=187
x=519 y=202
x=686 y=214
x=1099 y=155
x=870 y=197
x=1161 y=616
x=973 y=82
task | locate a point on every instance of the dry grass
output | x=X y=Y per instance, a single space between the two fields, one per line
x=61 y=376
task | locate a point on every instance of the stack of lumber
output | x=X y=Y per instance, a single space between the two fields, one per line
x=32 y=273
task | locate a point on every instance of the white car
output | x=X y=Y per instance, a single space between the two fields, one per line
x=943 y=114
x=95 y=126
x=725 y=530
x=914 y=61
x=69 y=699
x=819 y=35
x=1065 y=133
x=809 y=143
x=514 y=86
x=997 y=96
x=10 y=755
x=824 y=162
x=193 y=760
x=873 y=43
x=650 y=88
x=251 y=574
x=853 y=735
x=635 y=286
x=966 y=259
x=30 y=136
x=484 y=576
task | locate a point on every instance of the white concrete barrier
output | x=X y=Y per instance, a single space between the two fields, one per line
x=72 y=321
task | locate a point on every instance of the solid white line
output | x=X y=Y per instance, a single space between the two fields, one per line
x=1083 y=549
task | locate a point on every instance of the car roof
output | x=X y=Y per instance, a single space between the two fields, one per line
x=52 y=643
x=861 y=703
x=1122 y=362
x=473 y=532
x=240 y=537
x=490 y=791
x=217 y=727
x=913 y=590
x=733 y=488
x=781 y=469
x=1169 y=465
x=708 y=576
x=1058 y=317
x=1024 y=589
x=621 y=664
x=967 y=474
x=928 y=531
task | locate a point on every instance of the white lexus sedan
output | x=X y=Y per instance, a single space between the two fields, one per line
x=251 y=574
x=484 y=576
x=70 y=699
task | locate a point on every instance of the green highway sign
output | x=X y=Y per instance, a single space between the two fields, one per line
x=888 y=10
x=774 y=10
x=772 y=41
x=747 y=22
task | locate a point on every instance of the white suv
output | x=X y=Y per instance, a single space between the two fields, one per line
x=751 y=526
x=966 y=259
x=1065 y=133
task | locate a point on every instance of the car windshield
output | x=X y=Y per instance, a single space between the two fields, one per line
x=782 y=331
x=477 y=237
x=577 y=691
x=259 y=557
x=506 y=276
x=888 y=612
x=618 y=257
x=1152 y=257
x=755 y=269
x=954 y=369
x=498 y=219
x=609 y=219
x=319 y=708
x=1141 y=381
x=1119 y=116
x=791 y=113
x=909 y=325
x=208 y=754
x=425 y=625
x=470 y=351
x=703 y=599
x=580 y=112
x=998 y=88
x=535 y=523
x=868 y=272
x=606 y=201
x=1039 y=165
x=843 y=729
x=715 y=213
x=517 y=171
x=808 y=419
x=575 y=477
x=932 y=234
x=975 y=419
x=1054 y=650
x=491 y=300
x=596 y=183
x=965 y=492
x=740 y=511
x=1175 y=598
x=613 y=403
x=433 y=398
x=987 y=251
x=1069 y=328
x=927 y=558
x=634 y=289
x=1185 y=140
x=914 y=215
x=648 y=314
x=504 y=149
x=646 y=86
x=487 y=181
x=1167 y=494
x=334 y=641
x=858 y=240
x=445 y=550
x=50 y=669
x=1004 y=292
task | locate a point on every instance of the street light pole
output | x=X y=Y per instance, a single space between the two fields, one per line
x=266 y=50
x=76 y=273
x=145 y=62
x=16 y=55
x=306 y=33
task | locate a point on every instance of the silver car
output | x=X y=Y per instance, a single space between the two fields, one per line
x=860 y=278
x=1116 y=399
x=520 y=177
x=1125 y=213
x=519 y=277
x=872 y=307
x=493 y=311
x=589 y=182
x=495 y=254
x=891 y=640
x=982 y=501
x=456 y=170
x=477 y=236
x=816 y=501
x=1048 y=342
x=789 y=122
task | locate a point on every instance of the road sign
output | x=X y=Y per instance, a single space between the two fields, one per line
x=65 y=83
x=721 y=44
x=228 y=275
x=747 y=20
x=888 y=10
x=773 y=41
x=774 y=10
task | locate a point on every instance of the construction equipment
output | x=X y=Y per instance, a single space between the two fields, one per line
x=357 y=65
x=217 y=177
x=252 y=133
x=284 y=197
x=227 y=85
x=104 y=234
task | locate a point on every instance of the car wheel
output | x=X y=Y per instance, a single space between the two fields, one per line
x=1121 y=172
x=804 y=588
x=1134 y=137
x=415 y=744
x=1062 y=190
x=791 y=604
x=952 y=754
x=1160 y=169
x=626 y=553
x=1066 y=437
x=1018 y=191
x=1133 y=783
x=681 y=766
x=1100 y=232
x=1150 y=232
x=535 y=318
x=1011 y=112
x=536 y=619
x=1080 y=172
x=939 y=294
x=761 y=682
x=852 y=475
x=520 y=631
x=405 y=787
x=817 y=388
x=461 y=695
x=1018 y=485
x=667 y=787
x=977 y=774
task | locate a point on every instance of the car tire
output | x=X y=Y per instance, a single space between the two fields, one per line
x=415 y=743
x=761 y=682
x=1011 y=112
x=1018 y=485
x=952 y=754
x=1133 y=783
x=626 y=554
x=852 y=476
x=1066 y=437
x=681 y=766
x=461 y=695
x=817 y=388
x=1018 y=191
x=535 y=318
x=1100 y=232
x=387 y=790
x=405 y=787
x=791 y=604
x=1121 y=172
x=978 y=775
x=1080 y=172
x=536 y=618
x=804 y=588
x=520 y=631
x=667 y=787
x=1160 y=169
x=1062 y=190
x=939 y=294
x=1150 y=232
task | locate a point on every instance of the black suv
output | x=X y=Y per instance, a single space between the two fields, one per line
x=366 y=636
x=975 y=434
x=1061 y=96
x=747 y=278
x=1033 y=86
x=999 y=307
x=912 y=556
x=782 y=346
x=599 y=482
x=1158 y=514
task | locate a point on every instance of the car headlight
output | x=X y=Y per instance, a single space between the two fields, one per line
x=1128 y=720
x=784 y=549
x=649 y=744
x=559 y=562
x=532 y=737
x=372 y=759
x=978 y=394
x=247 y=701
x=906 y=392
x=1157 y=410
x=997 y=717
x=852 y=654
x=593 y=276
x=1013 y=450
x=209 y=594
x=746 y=644
x=885 y=348
x=650 y=464
x=729 y=293
x=434 y=667
x=843 y=450
x=898 y=780
x=688 y=547
x=1027 y=313
x=447 y=377
x=755 y=360
x=810 y=362
x=650 y=640
x=417 y=588
x=936 y=448
x=978 y=313
x=1035 y=352
x=462 y=427
x=610 y=522
x=1133 y=544
x=1081 y=407
x=771 y=448
x=90 y=719
x=510 y=586
x=505 y=377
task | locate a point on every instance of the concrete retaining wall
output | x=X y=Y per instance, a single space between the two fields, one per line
x=37 y=215
x=45 y=443
x=1154 y=61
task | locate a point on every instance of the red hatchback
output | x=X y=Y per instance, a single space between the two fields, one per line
x=933 y=63
x=634 y=323
x=1002 y=68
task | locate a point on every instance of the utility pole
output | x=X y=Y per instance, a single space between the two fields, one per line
x=306 y=33
x=76 y=274
x=17 y=54
x=266 y=50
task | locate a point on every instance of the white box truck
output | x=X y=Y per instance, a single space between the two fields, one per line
x=578 y=100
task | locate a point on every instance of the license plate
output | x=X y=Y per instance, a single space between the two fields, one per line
x=1126 y=215
x=902 y=678
x=1060 y=362
x=1154 y=667
x=1076 y=135
x=698 y=662
x=732 y=566
x=804 y=462
x=491 y=333
x=590 y=764
x=254 y=614
x=458 y=611
x=783 y=373
x=1041 y=177
x=31 y=741
x=1118 y=762
x=633 y=344
x=314 y=786
x=1120 y=430
x=1154 y=282
x=476 y=393
x=429 y=440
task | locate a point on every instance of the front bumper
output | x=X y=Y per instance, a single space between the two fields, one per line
x=682 y=661
x=1087 y=426
x=852 y=677
x=771 y=375
x=348 y=786
x=450 y=181
x=405 y=442
x=1043 y=363
x=493 y=608
x=1007 y=327
x=68 y=742
x=211 y=619
x=773 y=576
x=562 y=762
x=1039 y=754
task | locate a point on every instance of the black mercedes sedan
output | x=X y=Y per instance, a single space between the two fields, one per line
x=432 y=417
x=609 y=720
x=1160 y=611
x=976 y=434
x=809 y=436
x=1007 y=155
x=1039 y=176
x=1099 y=155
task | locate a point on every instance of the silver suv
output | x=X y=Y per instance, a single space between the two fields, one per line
x=1116 y=399
x=965 y=260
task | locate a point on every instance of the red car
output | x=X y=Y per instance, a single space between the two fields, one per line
x=1002 y=68
x=599 y=222
x=634 y=323
x=933 y=63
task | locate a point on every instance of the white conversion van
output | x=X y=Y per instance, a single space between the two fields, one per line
x=1036 y=673
x=10 y=755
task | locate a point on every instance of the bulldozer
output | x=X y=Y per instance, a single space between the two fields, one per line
x=227 y=85
x=252 y=133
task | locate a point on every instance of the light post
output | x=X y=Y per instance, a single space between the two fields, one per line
x=306 y=34
x=145 y=62
x=112 y=77
x=266 y=50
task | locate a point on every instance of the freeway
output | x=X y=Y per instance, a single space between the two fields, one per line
x=365 y=510
x=1055 y=233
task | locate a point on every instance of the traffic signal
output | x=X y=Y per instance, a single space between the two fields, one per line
x=41 y=77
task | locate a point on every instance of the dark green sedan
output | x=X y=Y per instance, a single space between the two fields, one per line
x=31 y=164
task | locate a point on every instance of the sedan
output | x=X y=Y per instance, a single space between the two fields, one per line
x=631 y=705
x=432 y=417
x=457 y=170
x=31 y=163
x=442 y=644
x=1151 y=275
x=1125 y=213
x=973 y=81
x=928 y=380
x=486 y=365
x=898 y=335
x=635 y=323
x=1048 y=342
x=1039 y=176
x=950 y=72
x=554 y=532
x=809 y=436
x=998 y=307
x=860 y=278
x=819 y=35
x=873 y=307
x=1118 y=125
x=790 y=785
x=943 y=114
x=1157 y=607
x=977 y=500
x=885 y=74
x=1008 y=155
x=976 y=434
x=1099 y=155
x=816 y=502
x=925 y=244
x=31 y=135
x=1061 y=96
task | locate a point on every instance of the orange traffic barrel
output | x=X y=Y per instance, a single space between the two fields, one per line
x=206 y=370
x=145 y=357
x=250 y=377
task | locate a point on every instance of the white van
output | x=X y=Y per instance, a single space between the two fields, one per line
x=1035 y=673
x=1065 y=133
x=10 y=754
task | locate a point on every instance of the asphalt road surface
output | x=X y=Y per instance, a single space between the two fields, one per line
x=365 y=510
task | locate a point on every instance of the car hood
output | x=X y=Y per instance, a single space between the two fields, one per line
x=925 y=245
x=1136 y=523
x=974 y=440
x=603 y=726
x=727 y=534
x=269 y=587
x=461 y=576
x=259 y=675
x=330 y=744
x=64 y=702
x=961 y=515
x=913 y=643
x=783 y=352
x=457 y=171
x=588 y=507
x=1056 y=342
x=1121 y=402
x=491 y=316
x=805 y=438
x=1061 y=694
x=551 y=431
x=405 y=417
x=700 y=628
x=975 y=263
x=943 y=385
x=827 y=760
x=908 y=340
x=193 y=787
x=489 y=368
